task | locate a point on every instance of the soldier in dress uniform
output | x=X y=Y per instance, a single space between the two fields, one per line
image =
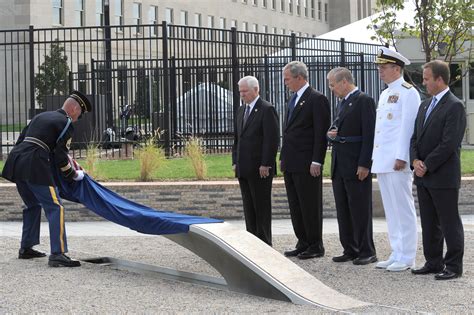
x=396 y=114
x=42 y=145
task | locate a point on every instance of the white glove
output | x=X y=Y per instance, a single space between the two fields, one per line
x=79 y=176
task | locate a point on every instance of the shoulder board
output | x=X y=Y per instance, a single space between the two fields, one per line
x=407 y=85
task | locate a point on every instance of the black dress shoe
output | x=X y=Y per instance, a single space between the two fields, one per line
x=343 y=258
x=61 y=260
x=294 y=252
x=447 y=274
x=310 y=253
x=28 y=253
x=426 y=270
x=364 y=260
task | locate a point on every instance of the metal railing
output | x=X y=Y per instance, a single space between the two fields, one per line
x=181 y=80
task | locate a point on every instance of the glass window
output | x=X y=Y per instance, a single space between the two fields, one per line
x=264 y=29
x=305 y=3
x=82 y=76
x=222 y=23
x=99 y=12
x=58 y=12
x=137 y=16
x=313 y=13
x=282 y=5
x=255 y=2
x=119 y=13
x=210 y=21
x=298 y=7
x=274 y=30
x=290 y=6
x=79 y=13
x=197 y=19
x=169 y=16
x=153 y=18
x=245 y=27
x=264 y=3
x=320 y=10
x=455 y=84
x=184 y=17
x=122 y=85
x=326 y=12
x=274 y=4
x=233 y=23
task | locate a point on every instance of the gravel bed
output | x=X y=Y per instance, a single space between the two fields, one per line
x=29 y=286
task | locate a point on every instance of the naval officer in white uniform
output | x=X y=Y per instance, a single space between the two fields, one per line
x=396 y=114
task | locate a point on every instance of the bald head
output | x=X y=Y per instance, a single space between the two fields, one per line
x=72 y=108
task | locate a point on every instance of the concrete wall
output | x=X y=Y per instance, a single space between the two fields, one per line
x=211 y=199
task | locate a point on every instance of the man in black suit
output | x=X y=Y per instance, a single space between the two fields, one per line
x=302 y=158
x=435 y=154
x=352 y=137
x=254 y=157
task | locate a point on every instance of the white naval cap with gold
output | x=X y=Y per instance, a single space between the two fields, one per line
x=386 y=55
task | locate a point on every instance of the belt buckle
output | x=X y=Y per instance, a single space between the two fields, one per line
x=342 y=140
x=333 y=128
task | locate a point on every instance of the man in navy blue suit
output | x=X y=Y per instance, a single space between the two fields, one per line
x=352 y=138
x=302 y=158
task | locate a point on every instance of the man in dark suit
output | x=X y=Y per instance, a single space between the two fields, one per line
x=435 y=154
x=254 y=157
x=302 y=158
x=352 y=138
x=42 y=145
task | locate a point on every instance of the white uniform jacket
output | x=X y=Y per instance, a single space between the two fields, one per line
x=396 y=114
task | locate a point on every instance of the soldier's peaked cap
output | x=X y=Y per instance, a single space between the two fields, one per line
x=86 y=106
x=386 y=55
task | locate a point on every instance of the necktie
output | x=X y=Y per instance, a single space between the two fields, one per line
x=291 y=105
x=246 y=114
x=340 y=105
x=430 y=108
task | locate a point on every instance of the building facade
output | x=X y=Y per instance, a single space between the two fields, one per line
x=305 y=18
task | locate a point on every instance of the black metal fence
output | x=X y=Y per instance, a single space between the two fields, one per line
x=181 y=80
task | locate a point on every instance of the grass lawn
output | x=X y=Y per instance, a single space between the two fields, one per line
x=218 y=167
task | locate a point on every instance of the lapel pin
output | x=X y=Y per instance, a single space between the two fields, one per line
x=350 y=104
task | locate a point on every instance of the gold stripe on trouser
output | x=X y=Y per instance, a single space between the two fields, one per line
x=61 y=217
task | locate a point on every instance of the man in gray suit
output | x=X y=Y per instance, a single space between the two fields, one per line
x=435 y=156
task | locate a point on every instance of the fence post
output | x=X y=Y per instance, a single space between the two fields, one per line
x=173 y=96
x=235 y=71
x=266 y=75
x=70 y=84
x=93 y=88
x=293 y=46
x=108 y=66
x=32 y=70
x=166 y=90
x=362 y=73
x=343 y=52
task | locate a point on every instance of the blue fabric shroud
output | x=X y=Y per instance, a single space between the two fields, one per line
x=117 y=209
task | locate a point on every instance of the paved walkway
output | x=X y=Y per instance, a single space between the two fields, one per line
x=106 y=228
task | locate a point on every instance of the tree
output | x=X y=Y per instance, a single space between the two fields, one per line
x=53 y=76
x=444 y=27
